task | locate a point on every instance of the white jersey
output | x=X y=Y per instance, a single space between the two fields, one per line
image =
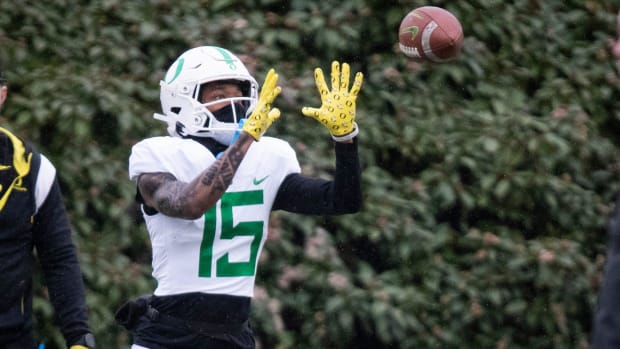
x=218 y=252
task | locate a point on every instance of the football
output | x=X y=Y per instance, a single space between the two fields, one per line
x=430 y=33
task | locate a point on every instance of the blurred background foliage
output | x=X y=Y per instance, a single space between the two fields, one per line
x=488 y=181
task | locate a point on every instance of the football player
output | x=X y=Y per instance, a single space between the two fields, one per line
x=32 y=215
x=606 y=327
x=207 y=190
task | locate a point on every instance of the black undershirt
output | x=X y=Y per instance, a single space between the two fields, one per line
x=316 y=196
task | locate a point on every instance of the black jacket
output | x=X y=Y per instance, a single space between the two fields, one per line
x=606 y=327
x=24 y=228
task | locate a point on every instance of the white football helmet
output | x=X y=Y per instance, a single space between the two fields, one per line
x=180 y=94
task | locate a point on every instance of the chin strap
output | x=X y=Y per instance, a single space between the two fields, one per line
x=234 y=137
x=238 y=131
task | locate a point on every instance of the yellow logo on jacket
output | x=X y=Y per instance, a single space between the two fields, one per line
x=21 y=164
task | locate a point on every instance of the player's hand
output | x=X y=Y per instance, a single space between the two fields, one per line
x=337 y=111
x=263 y=115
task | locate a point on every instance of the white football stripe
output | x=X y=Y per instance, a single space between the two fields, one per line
x=426 y=42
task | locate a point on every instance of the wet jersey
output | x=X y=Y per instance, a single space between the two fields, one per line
x=218 y=252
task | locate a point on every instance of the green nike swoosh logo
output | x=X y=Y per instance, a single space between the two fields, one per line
x=259 y=181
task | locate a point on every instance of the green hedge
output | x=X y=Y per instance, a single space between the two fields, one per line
x=488 y=181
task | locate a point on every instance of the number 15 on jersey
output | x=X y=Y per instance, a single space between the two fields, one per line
x=254 y=229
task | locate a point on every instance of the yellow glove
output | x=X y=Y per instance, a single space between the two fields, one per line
x=337 y=111
x=263 y=115
x=78 y=347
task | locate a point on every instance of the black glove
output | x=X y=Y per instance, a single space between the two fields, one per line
x=130 y=312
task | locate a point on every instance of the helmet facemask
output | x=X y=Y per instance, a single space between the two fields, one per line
x=223 y=123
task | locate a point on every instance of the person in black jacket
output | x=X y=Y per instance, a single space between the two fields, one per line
x=208 y=188
x=606 y=327
x=32 y=216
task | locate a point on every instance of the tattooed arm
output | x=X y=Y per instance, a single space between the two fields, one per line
x=163 y=192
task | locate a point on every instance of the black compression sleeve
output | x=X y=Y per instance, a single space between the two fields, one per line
x=301 y=194
x=58 y=257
